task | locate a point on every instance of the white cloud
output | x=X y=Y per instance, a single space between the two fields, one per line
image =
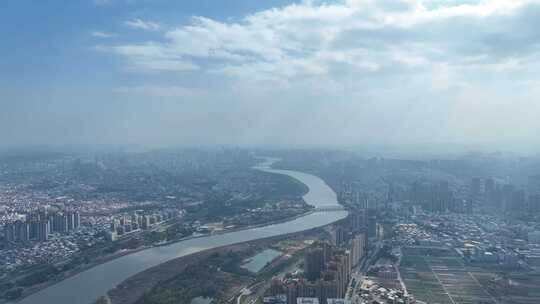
x=333 y=72
x=313 y=38
x=150 y=57
x=164 y=65
x=142 y=25
x=100 y=34
x=179 y=92
x=380 y=68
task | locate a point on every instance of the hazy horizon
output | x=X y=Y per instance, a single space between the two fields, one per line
x=344 y=73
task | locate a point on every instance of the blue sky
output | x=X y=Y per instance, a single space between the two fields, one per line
x=306 y=72
x=43 y=42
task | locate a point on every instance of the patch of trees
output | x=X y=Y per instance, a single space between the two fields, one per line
x=206 y=279
x=39 y=276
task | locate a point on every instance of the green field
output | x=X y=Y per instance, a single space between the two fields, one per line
x=438 y=275
x=525 y=288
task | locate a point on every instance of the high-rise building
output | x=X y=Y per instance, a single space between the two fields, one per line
x=359 y=220
x=60 y=223
x=444 y=196
x=329 y=280
x=508 y=196
x=338 y=235
x=339 y=268
x=113 y=226
x=329 y=289
x=314 y=263
x=43 y=231
x=76 y=220
x=534 y=204
x=34 y=229
x=358 y=248
x=23 y=231
x=9 y=233
x=476 y=187
x=146 y=223
x=327 y=251
x=276 y=286
x=70 y=221
x=489 y=187
x=291 y=290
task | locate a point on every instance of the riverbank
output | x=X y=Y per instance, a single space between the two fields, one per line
x=73 y=272
x=32 y=290
x=134 y=288
x=95 y=282
x=103 y=259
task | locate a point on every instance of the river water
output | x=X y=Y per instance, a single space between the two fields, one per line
x=87 y=286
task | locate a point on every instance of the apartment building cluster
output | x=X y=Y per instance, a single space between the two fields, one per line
x=122 y=225
x=327 y=270
x=38 y=226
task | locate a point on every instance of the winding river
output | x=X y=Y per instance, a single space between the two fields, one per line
x=87 y=286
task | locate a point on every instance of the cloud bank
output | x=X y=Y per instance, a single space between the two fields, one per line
x=347 y=72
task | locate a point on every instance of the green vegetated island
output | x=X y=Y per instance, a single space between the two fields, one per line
x=217 y=274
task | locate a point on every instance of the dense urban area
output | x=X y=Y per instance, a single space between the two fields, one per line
x=270 y=152
x=462 y=229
